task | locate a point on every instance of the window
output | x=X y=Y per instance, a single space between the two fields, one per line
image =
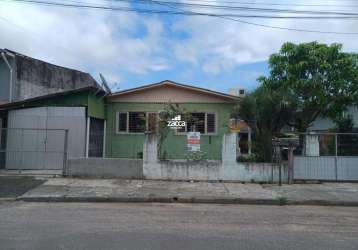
x=196 y=123
x=140 y=122
x=137 y=122
x=122 y=122
x=205 y=123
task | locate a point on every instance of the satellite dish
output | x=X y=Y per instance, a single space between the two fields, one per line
x=104 y=83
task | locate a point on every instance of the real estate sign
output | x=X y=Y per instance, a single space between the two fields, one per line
x=193 y=141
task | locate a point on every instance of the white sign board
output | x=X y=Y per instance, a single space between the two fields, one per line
x=193 y=141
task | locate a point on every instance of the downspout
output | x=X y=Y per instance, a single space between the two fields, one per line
x=11 y=72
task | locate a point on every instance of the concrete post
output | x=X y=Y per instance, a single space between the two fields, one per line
x=229 y=148
x=290 y=165
x=151 y=166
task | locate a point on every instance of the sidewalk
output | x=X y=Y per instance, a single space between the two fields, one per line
x=115 y=190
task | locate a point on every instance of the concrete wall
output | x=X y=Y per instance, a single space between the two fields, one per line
x=36 y=78
x=32 y=78
x=105 y=167
x=227 y=170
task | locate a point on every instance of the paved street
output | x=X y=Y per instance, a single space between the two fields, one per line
x=175 y=226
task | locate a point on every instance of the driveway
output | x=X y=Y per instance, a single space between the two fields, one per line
x=14 y=186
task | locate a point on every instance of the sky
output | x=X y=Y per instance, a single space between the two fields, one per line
x=133 y=49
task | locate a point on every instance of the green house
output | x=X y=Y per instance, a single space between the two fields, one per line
x=132 y=113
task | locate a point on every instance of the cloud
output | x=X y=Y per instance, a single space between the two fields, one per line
x=122 y=45
x=96 y=41
x=219 y=45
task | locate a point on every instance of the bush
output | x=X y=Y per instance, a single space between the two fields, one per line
x=249 y=158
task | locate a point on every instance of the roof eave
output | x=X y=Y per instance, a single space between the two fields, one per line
x=168 y=82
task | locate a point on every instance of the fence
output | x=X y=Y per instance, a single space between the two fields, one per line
x=33 y=149
x=327 y=156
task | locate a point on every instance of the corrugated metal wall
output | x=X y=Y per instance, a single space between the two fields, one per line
x=32 y=142
x=340 y=168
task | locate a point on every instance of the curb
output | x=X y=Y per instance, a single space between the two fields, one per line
x=192 y=200
x=8 y=199
x=153 y=200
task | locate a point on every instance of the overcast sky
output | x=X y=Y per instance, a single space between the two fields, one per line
x=134 y=49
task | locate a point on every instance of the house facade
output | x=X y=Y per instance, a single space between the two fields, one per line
x=132 y=113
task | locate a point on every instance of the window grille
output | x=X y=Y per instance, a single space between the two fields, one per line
x=137 y=122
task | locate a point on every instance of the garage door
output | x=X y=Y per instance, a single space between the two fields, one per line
x=36 y=137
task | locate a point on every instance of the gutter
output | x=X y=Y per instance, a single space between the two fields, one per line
x=11 y=71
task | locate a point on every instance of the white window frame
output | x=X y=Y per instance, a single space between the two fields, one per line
x=127 y=128
x=205 y=125
x=117 y=122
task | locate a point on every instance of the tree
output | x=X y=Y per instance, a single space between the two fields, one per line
x=316 y=79
x=266 y=112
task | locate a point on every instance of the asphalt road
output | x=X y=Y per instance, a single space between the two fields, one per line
x=175 y=226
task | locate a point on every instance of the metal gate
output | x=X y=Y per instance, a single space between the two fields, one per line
x=340 y=168
x=327 y=156
x=35 y=137
x=33 y=149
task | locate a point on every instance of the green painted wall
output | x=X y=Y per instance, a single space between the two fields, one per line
x=131 y=145
x=95 y=105
x=69 y=100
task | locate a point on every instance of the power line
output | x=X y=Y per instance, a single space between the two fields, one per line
x=276 y=27
x=274 y=4
x=180 y=12
x=241 y=8
x=237 y=8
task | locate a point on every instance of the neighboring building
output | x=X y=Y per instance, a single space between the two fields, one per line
x=33 y=135
x=241 y=92
x=23 y=77
x=324 y=124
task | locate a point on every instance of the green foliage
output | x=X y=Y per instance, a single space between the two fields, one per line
x=316 y=79
x=195 y=155
x=306 y=81
x=249 y=158
x=344 y=123
x=282 y=200
x=170 y=111
x=266 y=112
